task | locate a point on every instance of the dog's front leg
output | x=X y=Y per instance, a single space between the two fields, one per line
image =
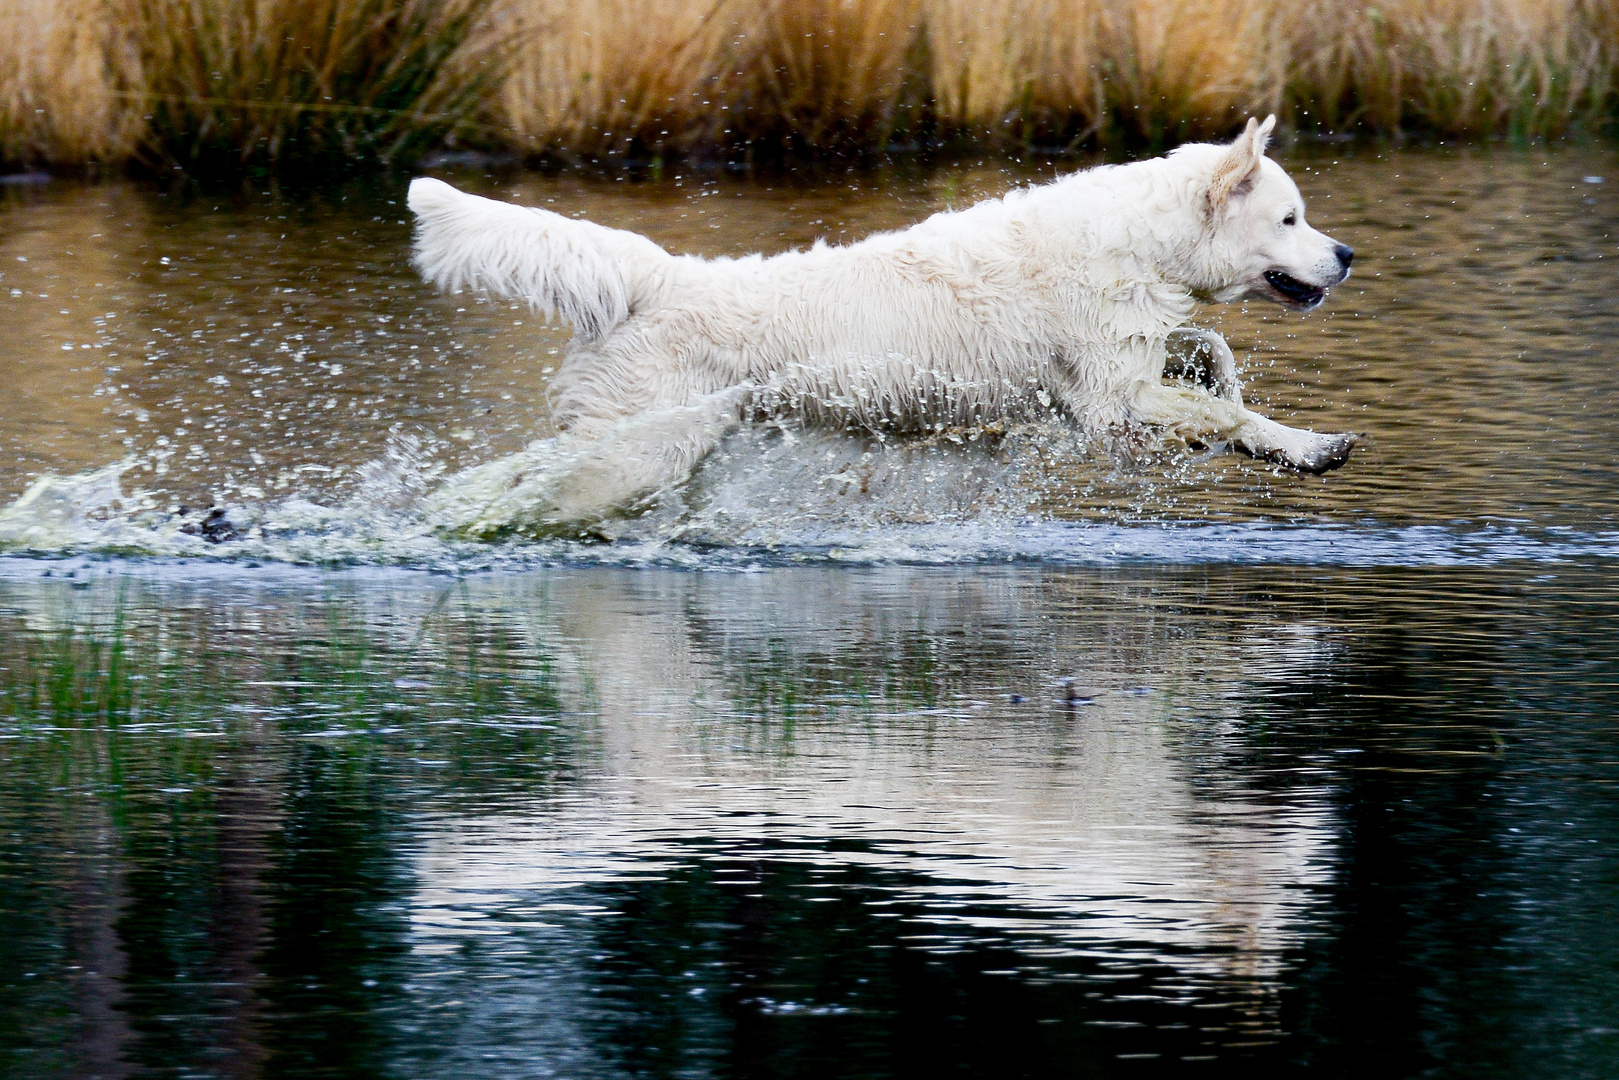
x=1204 y=356
x=1199 y=417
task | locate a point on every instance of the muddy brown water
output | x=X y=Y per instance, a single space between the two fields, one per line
x=241 y=351
x=1048 y=766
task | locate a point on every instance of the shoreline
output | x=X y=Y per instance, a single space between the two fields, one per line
x=306 y=86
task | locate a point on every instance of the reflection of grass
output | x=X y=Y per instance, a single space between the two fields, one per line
x=460 y=687
x=80 y=678
x=300 y=81
x=775 y=681
x=220 y=790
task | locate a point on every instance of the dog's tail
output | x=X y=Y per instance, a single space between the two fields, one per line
x=591 y=275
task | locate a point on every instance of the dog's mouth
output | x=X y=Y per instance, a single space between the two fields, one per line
x=1294 y=290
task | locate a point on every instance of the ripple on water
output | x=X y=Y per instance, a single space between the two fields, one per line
x=277 y=361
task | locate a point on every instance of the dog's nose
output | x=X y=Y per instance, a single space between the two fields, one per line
x=1344 y=253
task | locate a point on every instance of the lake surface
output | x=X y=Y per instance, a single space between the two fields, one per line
x=847 y=759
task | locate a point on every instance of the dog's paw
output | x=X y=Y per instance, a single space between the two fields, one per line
x=1325 y=453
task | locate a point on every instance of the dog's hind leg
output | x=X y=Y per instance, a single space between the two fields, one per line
x=1203 y=356
x=639 y=456
x=575 y=481
x=1201 y=418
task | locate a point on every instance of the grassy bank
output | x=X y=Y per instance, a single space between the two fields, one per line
x=259 y=83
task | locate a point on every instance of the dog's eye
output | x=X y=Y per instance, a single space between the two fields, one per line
x=1290 y=219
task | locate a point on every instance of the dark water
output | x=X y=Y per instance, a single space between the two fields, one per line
x=809 y=822
x=1181 y=766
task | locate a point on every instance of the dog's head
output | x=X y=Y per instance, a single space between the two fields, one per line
x=1256 y=226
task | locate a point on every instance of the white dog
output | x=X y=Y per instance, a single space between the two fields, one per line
x=1070 y=297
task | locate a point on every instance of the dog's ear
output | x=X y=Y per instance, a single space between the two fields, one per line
x=1238 y=168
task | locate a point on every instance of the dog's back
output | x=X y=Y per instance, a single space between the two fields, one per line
x=955 y=320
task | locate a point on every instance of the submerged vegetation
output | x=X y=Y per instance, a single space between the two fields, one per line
x=295 y=83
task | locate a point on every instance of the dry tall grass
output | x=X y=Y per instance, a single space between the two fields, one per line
x=60 y=71
x=236 y=82
x=1457 y=67
x=273 y=80
x=684 y=75
x=270 y=80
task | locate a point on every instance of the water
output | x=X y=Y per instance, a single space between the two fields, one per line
x=275 y=358
x=809 y=821
x=845 y=760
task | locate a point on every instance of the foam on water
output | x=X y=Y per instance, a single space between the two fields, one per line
x=769 y=495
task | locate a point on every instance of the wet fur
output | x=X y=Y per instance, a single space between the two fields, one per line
x=1068 y=297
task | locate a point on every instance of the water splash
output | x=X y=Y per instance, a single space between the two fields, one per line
x=770 y=494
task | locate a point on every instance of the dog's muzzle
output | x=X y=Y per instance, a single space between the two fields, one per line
x=1295 y=290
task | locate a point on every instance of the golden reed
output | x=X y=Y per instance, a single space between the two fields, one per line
x=271 y=81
